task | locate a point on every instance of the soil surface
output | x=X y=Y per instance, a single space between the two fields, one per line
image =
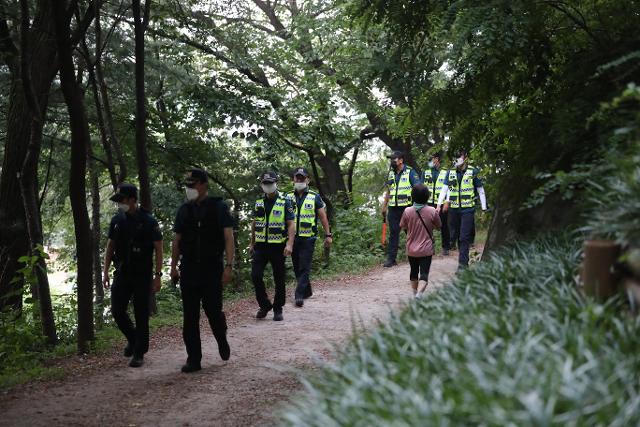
x=262 y=374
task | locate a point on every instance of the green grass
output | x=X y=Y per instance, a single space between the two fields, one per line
x=511 y=342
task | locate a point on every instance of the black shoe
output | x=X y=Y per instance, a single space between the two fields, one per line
x=136 y=361
x=262 y=313
x=223 y=347
x=445 y=252
x=388 y=264
x=299 y=302
x=277 y=315
x=190 y=367
x=128 y=351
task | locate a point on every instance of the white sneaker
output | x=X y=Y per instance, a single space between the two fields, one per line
x=419 y=295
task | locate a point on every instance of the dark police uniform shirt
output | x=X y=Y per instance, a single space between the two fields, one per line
x=477 y=182
x=123 y=230
x=319 y=205
x=224 y=217
x=289 y=213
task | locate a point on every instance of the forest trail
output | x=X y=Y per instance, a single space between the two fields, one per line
x=243 y=391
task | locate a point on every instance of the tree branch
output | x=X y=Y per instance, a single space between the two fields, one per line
x=145 y=18
x=579 y=20
x=83 y=24
x=270 y=12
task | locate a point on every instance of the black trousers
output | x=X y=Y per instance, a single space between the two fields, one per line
x=125 y=287
x=394 y=214
x=420 y=267
x=263 y=254
x=201 y=284
x=302 y=257
x=446 y=236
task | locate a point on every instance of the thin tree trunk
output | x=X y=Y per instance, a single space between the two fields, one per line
x=95 y=227
x=142 y=158
x=352 y=167
x=74 y=99
x=106 y=104
x=141 y=110
x=100 y=114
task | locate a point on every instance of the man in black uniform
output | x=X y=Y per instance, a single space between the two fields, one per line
x=204 y=231
x=133 y=236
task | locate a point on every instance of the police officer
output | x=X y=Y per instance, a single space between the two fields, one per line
x=434 y=178
x=203 y=233
x=309 y=207
x=133 y=237
x=273 y=231
x=400 y=181
x=461 y=185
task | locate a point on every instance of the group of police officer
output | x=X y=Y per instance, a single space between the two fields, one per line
x=452 y=192
x=283 y=225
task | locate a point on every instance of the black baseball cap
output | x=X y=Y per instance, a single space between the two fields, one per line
x=195 y=175
x=301 y=171
x=124 y=191
x=396 y=154
x=268 y=176
x=437 y=154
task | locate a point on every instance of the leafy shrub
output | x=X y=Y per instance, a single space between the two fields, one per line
x=511 y=342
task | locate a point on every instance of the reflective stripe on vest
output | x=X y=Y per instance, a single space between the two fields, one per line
x=435 y=185
x=401 y=193
x=305 y=215
x=272 y=230
x=461 y=194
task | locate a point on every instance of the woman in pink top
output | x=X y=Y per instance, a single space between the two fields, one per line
x=419 y=221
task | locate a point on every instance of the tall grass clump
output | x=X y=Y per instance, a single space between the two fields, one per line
x=510 y=342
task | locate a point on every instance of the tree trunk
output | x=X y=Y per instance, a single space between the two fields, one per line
x=142 y=158
x=14 y=240
x=104 y=138
x=352 y=167
x=328 y=202
x=104 y=98
x=333 y=180
x=74 y=98
x=29 y=191
x=141 y=110
x=95 y=227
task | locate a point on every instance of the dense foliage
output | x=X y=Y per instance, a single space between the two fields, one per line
x=509 y=342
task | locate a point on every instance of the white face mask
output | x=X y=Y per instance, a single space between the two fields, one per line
x=269 y=188
x=299 y=185
x=459 y=161
x=431 y=164
x=192 y=193
x=123 y=207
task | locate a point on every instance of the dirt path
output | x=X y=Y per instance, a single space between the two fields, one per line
x=240 y=392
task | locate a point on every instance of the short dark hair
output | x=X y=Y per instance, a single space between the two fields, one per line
x=420 y=194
